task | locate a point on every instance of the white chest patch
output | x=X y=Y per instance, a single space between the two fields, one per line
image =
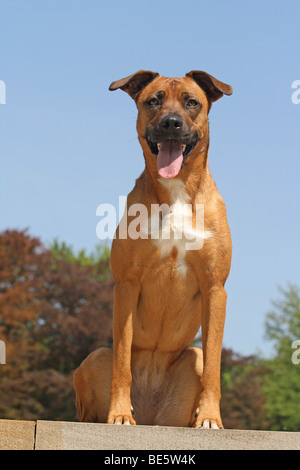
x=177 y=226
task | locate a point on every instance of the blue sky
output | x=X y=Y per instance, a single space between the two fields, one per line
x=68 y=144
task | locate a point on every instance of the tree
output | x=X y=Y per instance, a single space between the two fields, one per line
x=99 y=258
x=242 y=402
x=282 y=384
x=55 y=308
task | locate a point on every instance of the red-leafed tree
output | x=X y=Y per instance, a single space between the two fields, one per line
x=55 y=308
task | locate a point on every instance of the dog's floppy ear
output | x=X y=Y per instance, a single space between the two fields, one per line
x=134 y=84
x=213 y=88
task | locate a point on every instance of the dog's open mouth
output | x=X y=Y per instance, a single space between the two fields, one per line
x=171 y=155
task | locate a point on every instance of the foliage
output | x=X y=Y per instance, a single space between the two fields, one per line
x=242 y=402
x=53 y=313
x=282 y=383
x=99 y=258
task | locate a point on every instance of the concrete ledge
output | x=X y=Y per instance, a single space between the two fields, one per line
x=55 y=435
x=17 y=435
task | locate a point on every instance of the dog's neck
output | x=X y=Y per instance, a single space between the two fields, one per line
x=192 y=179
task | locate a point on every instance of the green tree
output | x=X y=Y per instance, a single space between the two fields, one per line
x=242 y=402
x=99 y=258
x=282 y=384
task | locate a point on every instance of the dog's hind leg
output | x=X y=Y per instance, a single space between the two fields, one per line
x=92 y=386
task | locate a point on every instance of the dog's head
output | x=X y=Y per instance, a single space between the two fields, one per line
x=172 y=119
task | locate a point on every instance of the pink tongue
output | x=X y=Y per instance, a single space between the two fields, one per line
x=169 y=158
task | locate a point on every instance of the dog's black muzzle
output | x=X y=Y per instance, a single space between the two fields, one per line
x=171 y=127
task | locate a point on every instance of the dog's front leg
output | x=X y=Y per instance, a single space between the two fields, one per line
x=125 y=301
x=213 y=319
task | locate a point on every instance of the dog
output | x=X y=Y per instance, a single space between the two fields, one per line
x=165 y=287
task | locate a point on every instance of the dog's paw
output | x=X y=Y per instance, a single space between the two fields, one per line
x=125 y=419
x=207 y=423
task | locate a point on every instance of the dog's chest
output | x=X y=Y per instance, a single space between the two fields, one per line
x=175 y=228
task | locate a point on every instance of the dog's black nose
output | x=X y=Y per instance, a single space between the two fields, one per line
x=171 y=122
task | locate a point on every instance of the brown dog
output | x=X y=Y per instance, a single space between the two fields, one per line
x=165 y=287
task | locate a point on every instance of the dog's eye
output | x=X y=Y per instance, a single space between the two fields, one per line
x=153 y=102
x=191 y=103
